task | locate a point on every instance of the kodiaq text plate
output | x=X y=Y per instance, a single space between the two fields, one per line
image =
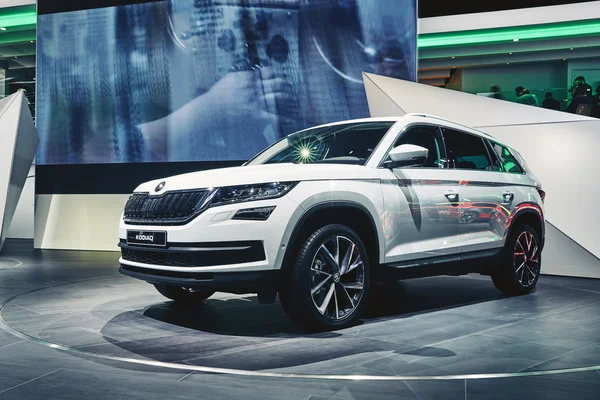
x=147 y=238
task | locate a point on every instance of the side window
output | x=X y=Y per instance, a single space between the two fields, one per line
x=427 y=137
x=508 y=163
x=466 y=151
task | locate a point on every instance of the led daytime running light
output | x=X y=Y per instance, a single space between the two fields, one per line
x=256 y=192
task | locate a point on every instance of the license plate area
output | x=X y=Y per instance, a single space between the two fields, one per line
x=147 y=238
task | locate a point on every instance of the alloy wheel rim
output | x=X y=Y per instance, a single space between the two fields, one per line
x=337 y=278
x=526 y=259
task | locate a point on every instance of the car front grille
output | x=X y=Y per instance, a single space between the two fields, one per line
x=198 y=255
x=158 y=258
x=171 y=208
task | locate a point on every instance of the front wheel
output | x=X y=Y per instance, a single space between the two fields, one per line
x=520 y=270
x=328 y=285
x=184 y=295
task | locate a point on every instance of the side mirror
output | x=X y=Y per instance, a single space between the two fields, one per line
x=407 y=155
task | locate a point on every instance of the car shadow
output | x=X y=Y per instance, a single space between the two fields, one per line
x=244 y=316
x=404 y=299
x=238 y=332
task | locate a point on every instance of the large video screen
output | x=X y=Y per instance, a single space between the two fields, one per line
x=208 y=80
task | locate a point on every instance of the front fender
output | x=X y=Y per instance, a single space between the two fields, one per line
x=365 y=195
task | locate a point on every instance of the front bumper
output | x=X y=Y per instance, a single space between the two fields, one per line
x=230 y=282
x=214 y=242
x=194 y=254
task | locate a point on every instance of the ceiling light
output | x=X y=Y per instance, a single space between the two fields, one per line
x=509 y=53
x=2 y=29
x=507 y=63
x=452 y=56
x=515 y=39
x=31 y=41
x=571 y=48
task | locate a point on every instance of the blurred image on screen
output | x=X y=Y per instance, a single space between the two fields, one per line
x=194 y=80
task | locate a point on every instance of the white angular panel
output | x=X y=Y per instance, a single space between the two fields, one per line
x=18 y=143
x=95 y=216
x=564 y=157
x=560 y=148
x=380 y=103
x=410 y=97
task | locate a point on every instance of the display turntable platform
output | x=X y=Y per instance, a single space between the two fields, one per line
x=450 y=329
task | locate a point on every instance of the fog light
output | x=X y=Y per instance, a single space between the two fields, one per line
x=254 y=214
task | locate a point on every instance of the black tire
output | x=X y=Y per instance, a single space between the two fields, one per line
x=350 y=288
x=182 y=295
x=518 y=274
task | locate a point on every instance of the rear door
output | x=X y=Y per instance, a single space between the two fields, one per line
x=488 y=190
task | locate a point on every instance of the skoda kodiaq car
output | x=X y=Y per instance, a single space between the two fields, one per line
x=324 y=214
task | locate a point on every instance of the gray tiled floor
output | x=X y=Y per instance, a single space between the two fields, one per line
x=436 y=326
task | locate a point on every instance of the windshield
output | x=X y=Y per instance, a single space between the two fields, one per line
x=339 y=144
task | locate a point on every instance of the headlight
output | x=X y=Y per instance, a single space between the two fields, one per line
x=261 y=191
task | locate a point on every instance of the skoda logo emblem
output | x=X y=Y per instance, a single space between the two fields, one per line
x=160 y=186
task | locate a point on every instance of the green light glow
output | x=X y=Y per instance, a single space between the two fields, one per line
x=7 y=38
x=547 y=31
x=24 y=18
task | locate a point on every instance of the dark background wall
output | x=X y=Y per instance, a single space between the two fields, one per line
x=437 y=8
x=427 y=8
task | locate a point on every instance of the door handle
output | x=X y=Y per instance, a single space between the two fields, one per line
x=452 y=196
x=508 y=197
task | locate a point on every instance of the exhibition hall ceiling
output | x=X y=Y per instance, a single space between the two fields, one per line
x=17 y=37
x=511 y=34
x=441 y=53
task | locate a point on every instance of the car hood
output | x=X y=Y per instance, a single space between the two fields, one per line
x=246 y=175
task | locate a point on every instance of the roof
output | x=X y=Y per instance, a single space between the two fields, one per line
x=425 y=117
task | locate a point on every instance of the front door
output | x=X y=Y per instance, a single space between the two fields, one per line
x=422 y=206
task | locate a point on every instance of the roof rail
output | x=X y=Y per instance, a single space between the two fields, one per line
x=448 y=120
x=434 y=117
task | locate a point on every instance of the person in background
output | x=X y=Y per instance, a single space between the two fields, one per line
x=525 y=97
x=551 y=103
x=581 y=93
x=497 y=91
x=596 y=103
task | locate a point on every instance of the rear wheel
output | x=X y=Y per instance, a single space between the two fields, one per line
x=328 y=284
x=520 y=270
x=184 y=295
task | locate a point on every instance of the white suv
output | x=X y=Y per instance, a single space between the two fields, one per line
x=324 y=214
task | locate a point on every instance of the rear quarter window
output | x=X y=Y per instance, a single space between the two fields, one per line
x=507 y=162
